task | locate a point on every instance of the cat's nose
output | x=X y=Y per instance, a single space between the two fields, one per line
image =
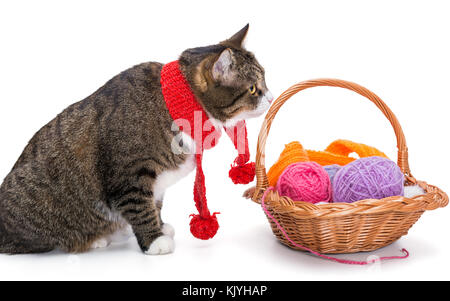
x=269 y=96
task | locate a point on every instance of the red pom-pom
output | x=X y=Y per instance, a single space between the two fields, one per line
x=204 y=228
x=242 y=174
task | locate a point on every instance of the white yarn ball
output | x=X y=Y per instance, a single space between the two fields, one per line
x=412 y=191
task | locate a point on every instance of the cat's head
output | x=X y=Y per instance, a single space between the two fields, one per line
x=227 y=79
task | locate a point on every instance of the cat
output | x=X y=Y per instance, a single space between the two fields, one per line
x=102 y=165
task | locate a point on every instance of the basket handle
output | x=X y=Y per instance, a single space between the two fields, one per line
x=261 y=176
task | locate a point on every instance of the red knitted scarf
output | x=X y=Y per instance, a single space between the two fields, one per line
x=192 y=119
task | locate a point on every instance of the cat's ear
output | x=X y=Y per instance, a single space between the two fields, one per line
x=237 y=40
x=221 y=70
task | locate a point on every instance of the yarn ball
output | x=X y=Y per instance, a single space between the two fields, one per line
x=332 y=170
x=368 y=178
x=292 y=153
x=412 y=191
x=305 y=181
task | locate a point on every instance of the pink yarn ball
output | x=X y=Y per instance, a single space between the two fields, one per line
x=305 y=181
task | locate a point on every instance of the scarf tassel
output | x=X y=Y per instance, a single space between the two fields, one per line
x=204 y=228
x=242 y=174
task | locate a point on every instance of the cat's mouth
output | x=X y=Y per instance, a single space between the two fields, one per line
x=261 y=108
x=263 y=105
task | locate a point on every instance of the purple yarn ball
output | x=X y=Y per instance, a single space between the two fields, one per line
x=368 y=178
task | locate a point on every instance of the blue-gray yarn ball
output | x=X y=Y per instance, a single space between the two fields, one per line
x=332 y=170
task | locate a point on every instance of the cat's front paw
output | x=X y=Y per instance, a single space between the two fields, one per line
x=167 y=229
x=162 y=245
x=248 y=194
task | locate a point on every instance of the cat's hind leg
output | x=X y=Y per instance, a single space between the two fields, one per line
x=17 y=234
x=12 y=243
x=121 y=235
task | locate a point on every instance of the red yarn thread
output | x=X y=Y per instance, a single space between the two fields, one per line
x=183 y=106
x=346 y=261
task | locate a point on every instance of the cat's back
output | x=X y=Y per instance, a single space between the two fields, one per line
x=142 y=78
x=138 y=85
x=133 y=92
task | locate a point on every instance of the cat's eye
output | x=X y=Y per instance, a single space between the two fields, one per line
x=252 y=90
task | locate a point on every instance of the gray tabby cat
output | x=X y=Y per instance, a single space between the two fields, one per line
x=103 y=164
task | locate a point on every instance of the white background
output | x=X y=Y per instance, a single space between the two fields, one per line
x=54 y=53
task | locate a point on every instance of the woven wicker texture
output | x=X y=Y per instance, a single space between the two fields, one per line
x=364 y=225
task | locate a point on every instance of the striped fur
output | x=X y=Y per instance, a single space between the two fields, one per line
x=92 y=169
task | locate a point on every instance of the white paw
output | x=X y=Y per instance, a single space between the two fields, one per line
x=167 y=229
x=162 y=245
x=100 y=243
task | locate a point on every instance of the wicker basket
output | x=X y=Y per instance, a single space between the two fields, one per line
x=332 y=228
